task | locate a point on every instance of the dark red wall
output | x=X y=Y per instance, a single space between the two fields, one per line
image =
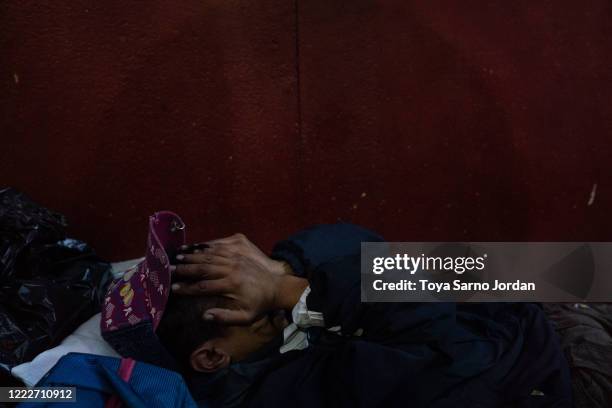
x=430 y=120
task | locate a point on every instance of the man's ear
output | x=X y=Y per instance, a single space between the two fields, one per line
x=208 y=358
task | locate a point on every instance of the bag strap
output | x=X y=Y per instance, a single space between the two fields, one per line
x=126 y=367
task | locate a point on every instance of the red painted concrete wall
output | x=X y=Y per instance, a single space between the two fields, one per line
x=424 y=120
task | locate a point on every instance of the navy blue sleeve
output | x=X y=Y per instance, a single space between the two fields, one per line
x=312 y=247
x=335 y=290
x=329 y=257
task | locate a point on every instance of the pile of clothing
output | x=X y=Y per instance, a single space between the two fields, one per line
x=585 y=331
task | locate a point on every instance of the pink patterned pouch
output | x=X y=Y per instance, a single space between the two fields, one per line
x=135 y=302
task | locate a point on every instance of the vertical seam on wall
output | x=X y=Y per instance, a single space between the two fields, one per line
x=301 y=143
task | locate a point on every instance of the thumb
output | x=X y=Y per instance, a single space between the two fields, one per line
x=229 y=317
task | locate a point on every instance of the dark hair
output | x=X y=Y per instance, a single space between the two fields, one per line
x=182 y=327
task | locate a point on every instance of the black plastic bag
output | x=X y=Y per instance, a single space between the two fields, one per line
x=24 y=223
x=49 y=284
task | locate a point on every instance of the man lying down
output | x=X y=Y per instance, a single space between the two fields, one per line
x=290 y=331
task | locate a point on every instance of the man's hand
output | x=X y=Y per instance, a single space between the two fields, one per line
x=235 y=268
x=239 y=244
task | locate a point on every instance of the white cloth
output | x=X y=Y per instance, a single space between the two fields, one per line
x=294 y=336
x=85 y=339
x=303 y=317
x=119 y=268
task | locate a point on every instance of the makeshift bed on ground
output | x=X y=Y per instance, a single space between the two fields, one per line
x=585 y=331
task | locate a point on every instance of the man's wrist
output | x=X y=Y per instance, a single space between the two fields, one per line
x=278 y=267
x=288 y=291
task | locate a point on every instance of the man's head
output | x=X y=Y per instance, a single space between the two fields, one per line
x=206 y=346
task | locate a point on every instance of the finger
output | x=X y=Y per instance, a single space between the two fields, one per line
x=186 y=289
x=193 y=248
x=222 y=241
x=232 y=239
x=199 y=271
x=222 y=250
x=200 y=246
x=203 y=287
x=229 y=317
x=203 y=258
